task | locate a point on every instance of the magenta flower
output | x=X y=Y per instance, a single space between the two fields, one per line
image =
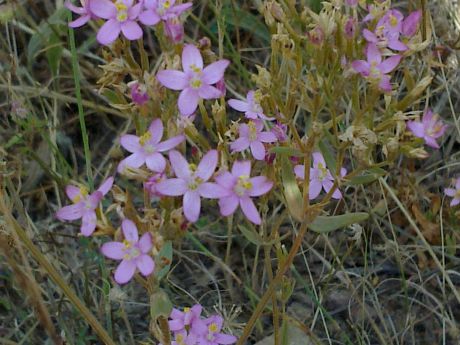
x=241 y=188
x=210 y=332
x=156 y=10
x=121 y=16
x=182 y=319
x=430 y=129
x=195 y=81
x=376 y=70
x=138 y=92
x=191 y=182
x=251 y=108
x=84 y=12
x=84 y=205
x=147 y=148
x=410 y=24
x=133 y=253
x=454 y=193
x=320 y=177
x=251 y=135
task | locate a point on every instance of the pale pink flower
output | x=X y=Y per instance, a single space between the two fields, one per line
x=133 y=253
x=84 y=12
x=147 y=148
x=320 y=177
x=454 y=193
x=250 y=107
x=210 y=332
x=191 y=182
x=241 y=188
x=376 y=70
x=121 y=16
x=84 y=205
x=195 y=81
x=139 y=93
x=251 y=135
x=156 y=10
x=410 y=24
x=430 y=129
x=184 y=319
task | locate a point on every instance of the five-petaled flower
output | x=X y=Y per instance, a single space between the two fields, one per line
x=241 y=188
x=376 y=70
x=184 y=319
x=147 y=148
x=191 y=182
x=430 y=128
x=121 y=16
x=454 y=193
x=250 y=107
x=156 y=10
x=320 y=177
x=133 y=253
x=209 y=332
x=251 y=135
x=84 y=205
x=195 y=81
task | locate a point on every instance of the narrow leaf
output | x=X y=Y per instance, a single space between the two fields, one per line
x=325 y=224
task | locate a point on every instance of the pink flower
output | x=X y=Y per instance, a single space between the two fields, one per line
x=280 y=131
x=156 y=10
x=251 y=135
x=174 y=29
x=84 y=205
x=430 y=129
x=195 y=81
x=220 y=85
x=454 y=193
x=146 y=149
x=133 y=253
x=251 y=108
x=184 y=338
x=410 y=24
x=387 y=32
x=151 y=184
x=210 y=332
x=191 y=182
x=121 y=17
x=139 y=93
x=84 y=12
x=241 y=188
x=182 y=319
x=350 y=27
x=320 y=177
x=374 y=69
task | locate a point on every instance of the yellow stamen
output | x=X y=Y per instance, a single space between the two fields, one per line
x=196 y=83
x=213 y=327
x=393 y=20
x=187 y=310
x=252 y=131
x=167 y=4
x=145 y=138
x=127 y=244
x=192 y=167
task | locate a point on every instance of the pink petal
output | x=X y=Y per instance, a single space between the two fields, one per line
x=125 y=271
x=134 y=11
x=241 y=168
x=130 y=142
x=71 y=212
x=113 y=250
x=172 y=187
x=156 y=162
x=238 y=105
x=240 y=144
x=457 y=183
x=191 y=56
x=389 y=64
x=131 y=30
x=258 y=150
x=72 y=192
x=172 y=79
x=384 y=83
x=397 y=45
x=260 y=186
x=94 y=199
x=299 y=171
x=170 y=143
x=73 y=8
x=88 y=224
x=327 y=185
x=207 y=165
x=180 y=165
x=243 y=129
x=226 y=180
x=156 y=131
x=133 y=161
x=212 y=191
x=129 y=231
x=250 y=210
x=209 y=92
x=455 y=202
x=103 y=8
x=267 y=137
x=177 y=10
x=149 y=17
x=192 y=206
x=80 y=21
x=314 y=189
x=145 y=244
x=145 y=264
x=317 y=159
x=369 y=36
x=373 y=54
x=450 y=191
x=431 y=142
x=214 y=72
x=416 y=128
x=225 y=339
x=228 y=205
x=105 y=186
x=410 y=24
x=361 y=66
x=188 y=101
x=109 y=32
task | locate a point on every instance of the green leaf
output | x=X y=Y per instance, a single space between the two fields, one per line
x=291 y=190
x=160 y=305
x=251 y=235
x=328 y=155
x=54 y=53
x=165 y=255
x=367 y=176
x=325 y=224
x=288 y=151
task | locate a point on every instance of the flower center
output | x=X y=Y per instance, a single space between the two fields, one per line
x=122 y=11
x=213 y=327
x=82 y=195
x=180 y=339
x=252 y=131
x=393 y=20
x=131 y=252
x=195 y=83
x=374 y=72
x=323 y=171
x=187 y=310
x=243 y=185
x=194 y=184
